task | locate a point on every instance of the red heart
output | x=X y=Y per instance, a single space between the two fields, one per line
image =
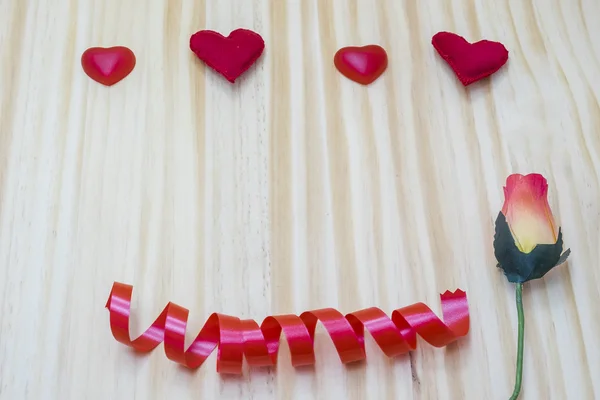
x=108 y=65
x=361 y=64
x=470 y=62
x=230 y=56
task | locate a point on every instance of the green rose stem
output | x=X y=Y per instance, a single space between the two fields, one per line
x=519 y=374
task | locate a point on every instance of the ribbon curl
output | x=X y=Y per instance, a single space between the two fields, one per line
x=237 y=338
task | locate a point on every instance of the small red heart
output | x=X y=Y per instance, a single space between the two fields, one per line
x=361 y=64
x=108 y=65
x=470 y=61
x=230 y=56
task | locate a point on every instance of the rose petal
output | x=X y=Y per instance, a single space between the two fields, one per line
x=527 y=211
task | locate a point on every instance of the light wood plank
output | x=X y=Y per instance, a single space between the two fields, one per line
x=293 y=189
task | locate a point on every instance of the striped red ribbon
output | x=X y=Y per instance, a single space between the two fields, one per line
x=237 y=338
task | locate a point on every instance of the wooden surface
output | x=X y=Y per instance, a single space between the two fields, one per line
x=293 y=189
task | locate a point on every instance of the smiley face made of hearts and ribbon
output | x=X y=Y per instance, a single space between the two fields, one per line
x=521 y=255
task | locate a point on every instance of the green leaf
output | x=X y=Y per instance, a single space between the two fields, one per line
x=563 y=257
x=521 y=267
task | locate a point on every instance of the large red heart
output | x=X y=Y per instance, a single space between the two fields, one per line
x=230 y=56
x=470 y=61
x=361 y=64
x=108 y=65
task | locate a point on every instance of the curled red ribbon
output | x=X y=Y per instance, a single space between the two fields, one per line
x=237 y=338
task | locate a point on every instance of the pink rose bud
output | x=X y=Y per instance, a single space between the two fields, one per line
x=527 y=243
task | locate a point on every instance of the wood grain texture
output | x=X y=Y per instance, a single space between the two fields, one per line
x=293 y=189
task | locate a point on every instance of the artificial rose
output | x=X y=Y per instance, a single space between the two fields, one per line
x=527 y=243
x=527 y=211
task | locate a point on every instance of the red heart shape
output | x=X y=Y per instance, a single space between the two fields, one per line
x=108 y=65
x=361 y=64
x=470 y=61
x=230 y=56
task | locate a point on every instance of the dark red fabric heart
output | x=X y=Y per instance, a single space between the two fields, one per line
x=361 y=64
x=470 y=61
x=108 y=65
x=230 y=56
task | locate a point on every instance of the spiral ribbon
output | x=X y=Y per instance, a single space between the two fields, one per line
x=237 y=338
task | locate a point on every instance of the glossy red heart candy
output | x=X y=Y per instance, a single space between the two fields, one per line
x=470 y=61
x=108 y=65
x=230 y=56
x=361 y=64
